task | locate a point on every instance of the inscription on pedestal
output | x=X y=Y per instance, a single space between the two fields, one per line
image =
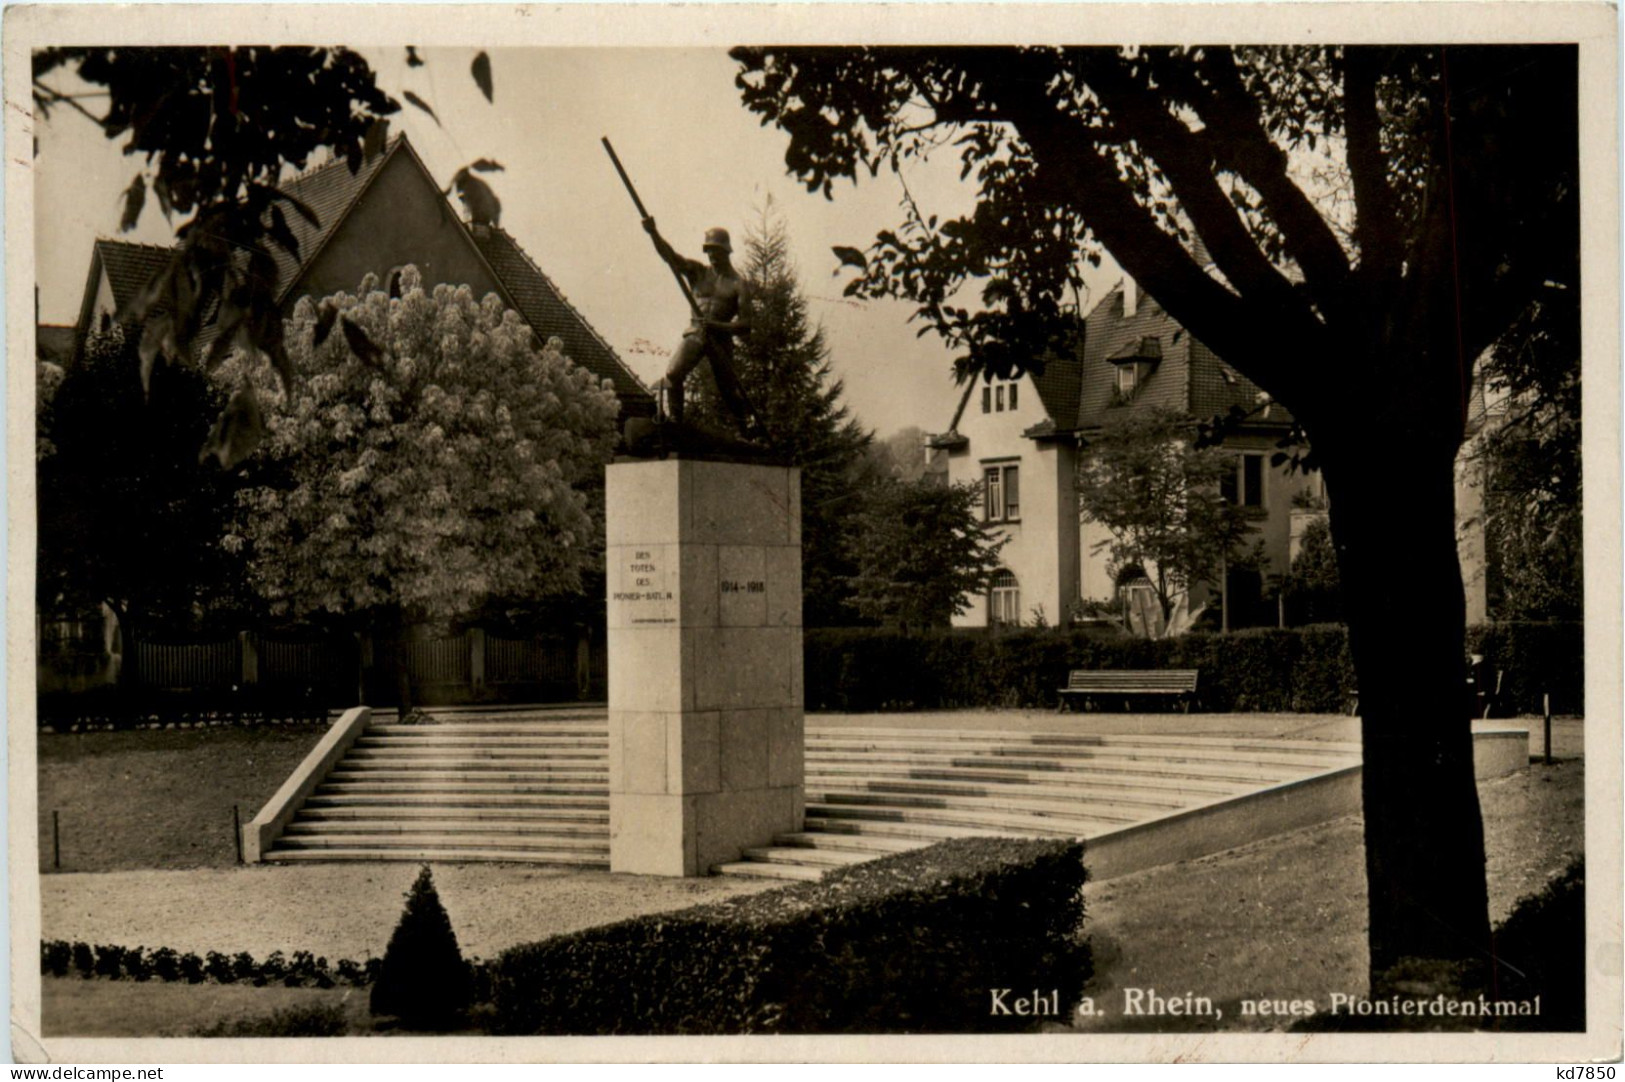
x=644 y=588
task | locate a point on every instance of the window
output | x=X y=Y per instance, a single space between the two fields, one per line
x=1002 y=492
x=998 y=398
x=1004 y=600
x=1252 y=480
x=1125 y=379
x=987 y=399
x=1246 y=485
x=1013 y=388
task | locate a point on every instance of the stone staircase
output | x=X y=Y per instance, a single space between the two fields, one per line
x=532 y=786
x=877 y=791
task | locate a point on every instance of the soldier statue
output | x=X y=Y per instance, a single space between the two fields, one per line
x=721 y=313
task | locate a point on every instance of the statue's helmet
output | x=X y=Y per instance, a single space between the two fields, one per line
x=718 y=238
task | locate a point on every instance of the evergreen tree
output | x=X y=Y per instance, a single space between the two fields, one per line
x=784 y=366
x=919 y=551
x=424 y=981
x=127 y=515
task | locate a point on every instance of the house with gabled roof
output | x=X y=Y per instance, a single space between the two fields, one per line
x=1021 y=440
x=384 y=215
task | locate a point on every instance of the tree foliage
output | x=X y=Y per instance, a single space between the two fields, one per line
x=1375 y=217
x=417 y=478
x=1262 y=153
x=920 y=549
x=784 y=366
x=1530 y=461
x=216 y=127
x=126 y=514
x=1313 y=587
x=1159 y=496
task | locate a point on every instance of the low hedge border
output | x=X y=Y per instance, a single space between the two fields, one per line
x=1299 y=670
x=913 y=943
x=59 y=958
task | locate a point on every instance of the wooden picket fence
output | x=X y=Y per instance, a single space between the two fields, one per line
x=469 y=667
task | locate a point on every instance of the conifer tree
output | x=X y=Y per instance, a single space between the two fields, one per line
x=784 y=365
x=424 y=980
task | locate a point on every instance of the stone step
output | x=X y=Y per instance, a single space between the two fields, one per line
x=1102 y=811
x=1083 y=753
x=438 y=840
x=448 y=855
x=455 y=788
x=980 y=821
x=446 y=825
x=872 y=844
x=1058 y=739
x=1223 y=771
x=563 y=733
x=544 y=818
x=459 y=800
x=807 y=856
x=1153 y=800
x=588 y=744
x=450 y=774
x=474 y=755
x=916 y=830
x=761 y=870
x=995 y=774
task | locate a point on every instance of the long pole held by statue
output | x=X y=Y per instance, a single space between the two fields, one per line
x=682 y=283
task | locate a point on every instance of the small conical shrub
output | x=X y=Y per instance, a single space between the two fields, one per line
x=424 y=980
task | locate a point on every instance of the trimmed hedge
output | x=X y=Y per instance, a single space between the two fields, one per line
x=913 y=943
x=110 y=707
x=862 y=670
x=1302 y=670
x=1542 y=948
x=59 y=957
x=1536 y=659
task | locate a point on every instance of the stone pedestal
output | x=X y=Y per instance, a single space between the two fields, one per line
x=705 y=671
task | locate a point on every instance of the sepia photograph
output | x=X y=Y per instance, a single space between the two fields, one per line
x=804 y=521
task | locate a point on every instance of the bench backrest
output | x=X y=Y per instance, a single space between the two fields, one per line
x=1132 y=680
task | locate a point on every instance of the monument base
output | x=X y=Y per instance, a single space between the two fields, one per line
x=705 y=667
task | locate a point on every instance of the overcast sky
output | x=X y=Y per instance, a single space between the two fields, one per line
x=698 y=158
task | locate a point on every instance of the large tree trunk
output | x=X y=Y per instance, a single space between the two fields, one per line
x=393 y=629
x=1393 y=523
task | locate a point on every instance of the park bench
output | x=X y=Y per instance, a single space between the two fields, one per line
x=1086 y=686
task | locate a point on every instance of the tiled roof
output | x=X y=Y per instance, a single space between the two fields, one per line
x=1188 y=378
x=129 y=267
x=329 y=191
x=1079 y=391
x=550 y=314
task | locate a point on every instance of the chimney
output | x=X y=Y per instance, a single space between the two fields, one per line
x=1131 y=297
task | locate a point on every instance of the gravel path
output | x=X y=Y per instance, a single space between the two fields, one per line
x=349 y=910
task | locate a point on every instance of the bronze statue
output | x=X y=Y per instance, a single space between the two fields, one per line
x=721 y=300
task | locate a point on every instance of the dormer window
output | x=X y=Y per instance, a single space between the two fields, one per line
x=1134 y=363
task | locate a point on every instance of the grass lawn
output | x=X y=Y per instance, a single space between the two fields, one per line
x=160 y=798
x=73 y=1006
x=1285 y=918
